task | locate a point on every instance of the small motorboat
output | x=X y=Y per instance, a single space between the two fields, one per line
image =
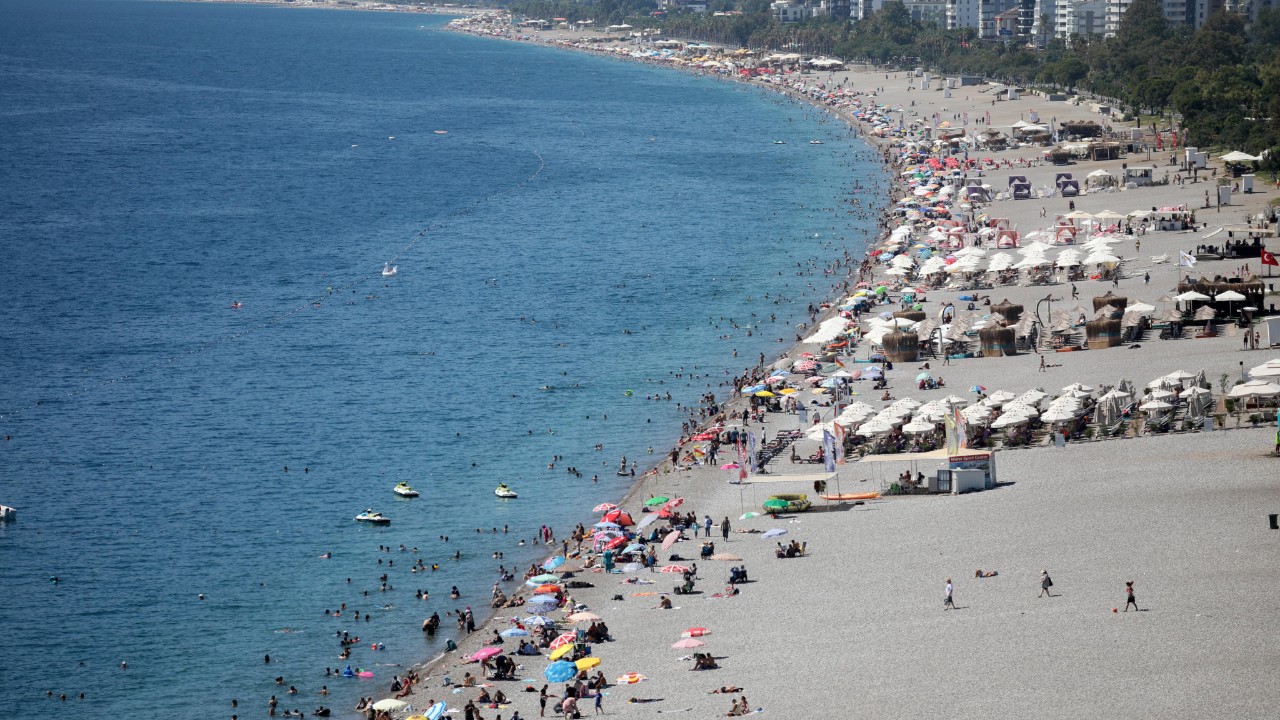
x=389 y=270
x=440 y=132
x=8 y=514
x=404 y=490
x=376 y=518
x=815 y=142
x=779 y=142
x=503 y=491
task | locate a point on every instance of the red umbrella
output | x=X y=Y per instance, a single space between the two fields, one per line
x=695 y=632
x=548 y=589
x=673 y=569
x=673 y=504
x=604 y=507
x=620 y=517
x=615 y=543
x=670 y=539
x=563 y=639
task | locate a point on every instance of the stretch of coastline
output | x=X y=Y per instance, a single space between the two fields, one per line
x=856 y=625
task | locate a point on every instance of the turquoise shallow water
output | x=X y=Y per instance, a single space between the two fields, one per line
x=164 y=160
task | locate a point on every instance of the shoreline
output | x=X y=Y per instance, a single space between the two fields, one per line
x=662 y=479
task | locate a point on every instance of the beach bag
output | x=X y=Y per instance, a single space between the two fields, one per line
x=1050 y=580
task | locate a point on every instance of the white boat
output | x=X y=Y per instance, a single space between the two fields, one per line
x=504 y=492
x=815 y=142
x=779 y=142
x=7 y=513
x=440 y=132
x=389 y=270
x=403 y=490
x=375 y=518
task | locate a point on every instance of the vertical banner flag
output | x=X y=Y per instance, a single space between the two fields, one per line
x=839 y=433
x=828 y=451
x=751 y=450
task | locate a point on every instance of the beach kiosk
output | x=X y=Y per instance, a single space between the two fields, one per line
x=967 y=470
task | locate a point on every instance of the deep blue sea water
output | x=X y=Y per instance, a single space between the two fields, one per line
x=164 y=160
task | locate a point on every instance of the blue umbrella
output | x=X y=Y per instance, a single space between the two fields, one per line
x=754 y=389
x=553 y=563
x=633 y=547
x=776 y=532
x=538 y=621
x=541 y=600
x=514 y=632
x=607 y=526
x=560 y=671
x=435 y=711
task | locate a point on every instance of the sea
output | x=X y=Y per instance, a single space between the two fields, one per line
x=575 y=237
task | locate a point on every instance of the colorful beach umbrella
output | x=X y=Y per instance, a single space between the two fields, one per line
x=560 y=651
x=749 y=515
x=560 y=671
x=604 y=507
x=630 y=678
x=670 y=539
x=564 y=639
x=514 y=632
x=587 y=663
x=695 y=632
x=547 y=589
x=553 y=563
x=485 y=653
x=543 y=578
x=673 y=569
x=688 y=643
x=436 y=711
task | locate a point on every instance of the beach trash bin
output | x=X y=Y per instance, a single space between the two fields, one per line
x=1275 y=521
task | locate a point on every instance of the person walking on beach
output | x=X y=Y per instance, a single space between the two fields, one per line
x=1128 y=589
x=948 y=602
x=599 y=701
x=1045 y=583
x=707 y=523
x=724 y=527
x=542 y=702
x=1041 y=363
x=1075 y=292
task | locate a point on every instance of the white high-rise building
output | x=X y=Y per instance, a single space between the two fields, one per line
x=1080 y=17
x=962 y=14
x=1114 y=11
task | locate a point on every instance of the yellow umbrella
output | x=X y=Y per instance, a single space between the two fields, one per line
x=416 y=717
x=561 y=651
x=587 y=663
x=787 y=391
x=765 y=394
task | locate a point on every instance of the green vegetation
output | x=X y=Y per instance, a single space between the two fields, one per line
x=1222 y=80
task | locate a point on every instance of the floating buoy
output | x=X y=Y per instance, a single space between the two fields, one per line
x=628 y=393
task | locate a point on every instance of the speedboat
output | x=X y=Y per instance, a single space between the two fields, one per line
x=8 y=514
x=779 y=142
x=440 y=132
x=503 y=491
x=815 y=142
x=375 y=518
x=403 y=490
x=389 y=270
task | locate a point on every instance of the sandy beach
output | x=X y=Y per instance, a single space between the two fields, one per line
x=857 y=626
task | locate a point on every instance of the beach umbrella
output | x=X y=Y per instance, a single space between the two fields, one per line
x=670 y=539
x=619 y=517
x=605 y=525
x=630 y=678
x=563 y=639
x=561 y=651
x=587 y=663
x=923 y=376
x=547 y=589
x=1155 y=406
x=514 y=632
x=776 y=504
x=688 y=643
x=1008 y=420
x=695 y=632
x=560 y=671
x=749 y=515
x=633 y=548
x=484 y=653
x=1254 y=388
x=537 y=621
x=553 y=563
x=773 y=533
x=656 y=500
x=542 y=600
x=725 y=556
x=1190 y=295
x=390 y=705
x=673 y=504
x=583 y=617
x=604 y=507
x=436 y=711
x=977 y=389
x=730 y=466
x=673 y=569
x=543 y=578
x=646 y=521
x=1271 y=368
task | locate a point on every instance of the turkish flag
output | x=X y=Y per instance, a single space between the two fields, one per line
x=1269 y=259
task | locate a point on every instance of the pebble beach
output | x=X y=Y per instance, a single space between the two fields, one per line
x=856 y=626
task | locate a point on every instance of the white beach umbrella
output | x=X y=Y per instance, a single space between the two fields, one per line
x=1190 y=295
x=970 y=251
x=1155 y=406
x=1160 y=394
x=1179 y=375
x=902 y=261
x=1141 y=308
x=978 y=414
x=1034 y=248
x=1255 y=388
x=1009 y=420
x=1101 y=258
x=1000 y=261
x=1017 y=408
x=919 y=426
x=1057 y=416
x=873 y=428
x=1271 y=368
x=999 y=397
x=1032 y=261
x=1032 y=397
x=897 y=271
x=1077 y=386
x=1228 y=296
